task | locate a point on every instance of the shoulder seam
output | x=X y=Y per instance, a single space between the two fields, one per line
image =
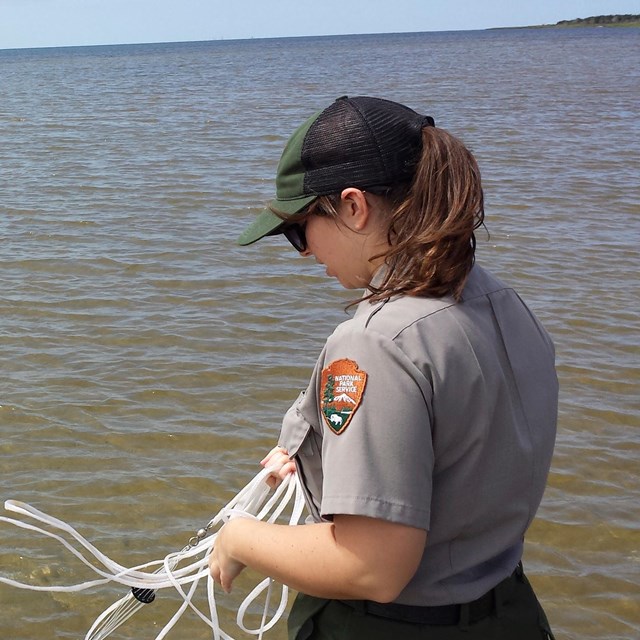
x=485 y=294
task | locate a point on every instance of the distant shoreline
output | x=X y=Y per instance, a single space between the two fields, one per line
x=626 y=20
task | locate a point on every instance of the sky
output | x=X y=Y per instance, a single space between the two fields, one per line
x=56 y=23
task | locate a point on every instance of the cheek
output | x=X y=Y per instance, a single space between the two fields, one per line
x=318 y=234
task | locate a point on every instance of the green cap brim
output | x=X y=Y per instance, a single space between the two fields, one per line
x=267 y=222
x=291 y=195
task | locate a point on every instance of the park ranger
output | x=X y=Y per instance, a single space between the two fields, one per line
x=425 y=435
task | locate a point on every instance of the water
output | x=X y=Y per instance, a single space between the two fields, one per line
x=147 y=360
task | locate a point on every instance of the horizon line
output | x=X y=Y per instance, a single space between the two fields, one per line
x=244 y=39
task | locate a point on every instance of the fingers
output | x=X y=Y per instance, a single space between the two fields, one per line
x=214 y=567
x=224 y=569
x=280 y=464
x=276 y=452
x=276 y=459
x=218 y=576
x=286 y=469
x=276 y=478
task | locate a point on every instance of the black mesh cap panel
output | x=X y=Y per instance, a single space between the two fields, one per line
x=361 y=142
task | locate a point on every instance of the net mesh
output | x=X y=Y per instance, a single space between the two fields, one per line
x=361 y=142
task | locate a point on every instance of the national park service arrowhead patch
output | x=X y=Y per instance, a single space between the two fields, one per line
x=343 y=385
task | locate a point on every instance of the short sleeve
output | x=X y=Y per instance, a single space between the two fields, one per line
x=381 y=463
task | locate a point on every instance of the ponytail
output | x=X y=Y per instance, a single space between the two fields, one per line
x=431 y=225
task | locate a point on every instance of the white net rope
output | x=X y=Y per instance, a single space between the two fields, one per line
x=182 y=571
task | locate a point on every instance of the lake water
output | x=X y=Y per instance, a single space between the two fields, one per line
x=146 y=360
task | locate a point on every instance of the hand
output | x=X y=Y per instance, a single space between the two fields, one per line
x=278 y=459
x=224 y=569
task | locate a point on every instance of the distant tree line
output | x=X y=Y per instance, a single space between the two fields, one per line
x=616 y=19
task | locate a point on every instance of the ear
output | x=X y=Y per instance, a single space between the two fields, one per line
x=354 y=209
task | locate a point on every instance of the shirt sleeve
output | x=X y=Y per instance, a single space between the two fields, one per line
x=381 y=463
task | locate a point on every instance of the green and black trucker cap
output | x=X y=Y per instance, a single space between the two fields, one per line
x=359 y=142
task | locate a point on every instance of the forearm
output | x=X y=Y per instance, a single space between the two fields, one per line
x=326 y=560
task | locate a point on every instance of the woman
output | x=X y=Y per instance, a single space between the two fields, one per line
x=425 y=436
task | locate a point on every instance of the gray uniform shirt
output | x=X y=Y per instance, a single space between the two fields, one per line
x=436 y=414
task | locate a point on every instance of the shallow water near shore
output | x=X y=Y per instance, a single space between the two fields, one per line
x=147 y=360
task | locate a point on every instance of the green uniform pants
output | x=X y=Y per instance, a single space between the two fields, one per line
x=517 y=615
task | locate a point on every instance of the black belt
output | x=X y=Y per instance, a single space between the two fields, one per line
x=448 y=614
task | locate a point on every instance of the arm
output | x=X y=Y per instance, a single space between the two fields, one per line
x=354 y=557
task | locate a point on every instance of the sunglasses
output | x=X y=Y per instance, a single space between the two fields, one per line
x=294 y=233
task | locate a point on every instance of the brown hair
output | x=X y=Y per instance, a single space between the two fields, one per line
x=431 y=221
